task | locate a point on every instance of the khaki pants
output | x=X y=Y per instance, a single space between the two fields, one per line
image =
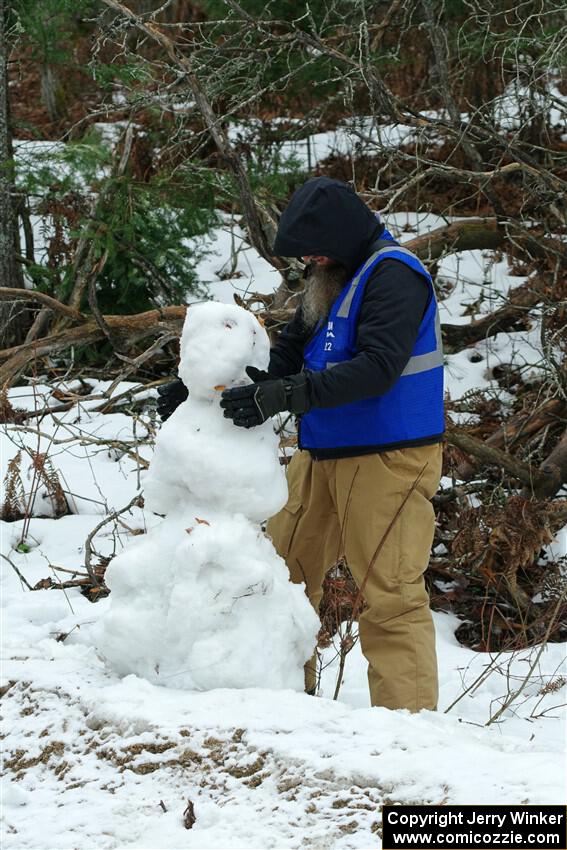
x=396 y=629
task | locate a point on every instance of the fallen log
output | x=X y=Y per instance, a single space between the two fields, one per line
x=552 y=473
x=517 y=428
x=466 y=235
x=126 y=329
x=492 y=456
x=512 y=316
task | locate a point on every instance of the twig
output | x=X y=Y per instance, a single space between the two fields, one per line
x=346 y=515
x=478 y=681
x=89 y=551
x=105 y=396
x=359 y=598
x=17 y=571
x=43 y=298
x=513 y=696
x=133 y=364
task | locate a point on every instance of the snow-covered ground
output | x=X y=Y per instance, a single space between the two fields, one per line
x=97 y=755
x=95 y=760
x=94 y=756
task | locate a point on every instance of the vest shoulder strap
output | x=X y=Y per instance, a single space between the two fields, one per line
x=380 y=243
x=379 y=249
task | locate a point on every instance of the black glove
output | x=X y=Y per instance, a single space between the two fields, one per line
x=253 y=404
x=257 y=375
x=170 y=397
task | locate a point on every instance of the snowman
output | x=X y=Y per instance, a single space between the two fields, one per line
x=202 y=600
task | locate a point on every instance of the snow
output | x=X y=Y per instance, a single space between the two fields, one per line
x=263 y=768
x=231 y=266
x=360 y=135
x=55 y=161
x=479 y=284
x=74 y=440
x=222 y=611
x=473 y=367
x=95 y=752
x=519 y=103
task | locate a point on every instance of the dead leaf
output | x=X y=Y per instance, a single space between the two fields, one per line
x=189 y=815
x=202 y=521
x=220 y=387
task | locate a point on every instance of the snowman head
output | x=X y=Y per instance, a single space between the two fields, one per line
x=217 y=343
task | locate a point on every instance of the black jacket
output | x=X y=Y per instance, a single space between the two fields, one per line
x=325 y=217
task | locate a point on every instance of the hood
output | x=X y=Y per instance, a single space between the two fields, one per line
x=326 y=217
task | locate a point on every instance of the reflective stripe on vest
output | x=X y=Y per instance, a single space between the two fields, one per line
x=419 y=362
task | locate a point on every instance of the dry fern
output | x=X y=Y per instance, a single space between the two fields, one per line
x=7 y=412
x=14 y=495
x=340 y=592
x=496 y=542
x=47 y=475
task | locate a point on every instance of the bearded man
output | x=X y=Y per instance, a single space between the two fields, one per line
x=361 y=365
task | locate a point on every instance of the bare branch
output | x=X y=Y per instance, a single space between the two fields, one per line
x=10 y=293
x=136 y=501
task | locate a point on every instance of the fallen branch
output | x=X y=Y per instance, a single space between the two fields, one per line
x=22 y=578
x=552 y=473
x=517 y=428
x=89 y=551
x=467 y=235
x=128 y=329
x=512 y=316
x=106 y=397
x=492 y=456
x=13 y=294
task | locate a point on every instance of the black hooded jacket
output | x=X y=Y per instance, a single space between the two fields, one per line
x=326 y=218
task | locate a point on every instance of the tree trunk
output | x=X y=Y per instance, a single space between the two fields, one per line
x=11 y=320
x=52 y=95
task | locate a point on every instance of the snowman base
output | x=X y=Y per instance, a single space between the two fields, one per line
x=203 y=603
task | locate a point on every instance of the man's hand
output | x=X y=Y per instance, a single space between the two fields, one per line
x=170 y=397
x=258 y=375
x=251 y=405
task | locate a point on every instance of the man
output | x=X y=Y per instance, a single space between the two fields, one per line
x=361 y=365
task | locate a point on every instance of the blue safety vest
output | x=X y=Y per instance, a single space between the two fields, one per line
x=411 y=412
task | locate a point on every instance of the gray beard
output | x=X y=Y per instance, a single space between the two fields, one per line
x=322 y=288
